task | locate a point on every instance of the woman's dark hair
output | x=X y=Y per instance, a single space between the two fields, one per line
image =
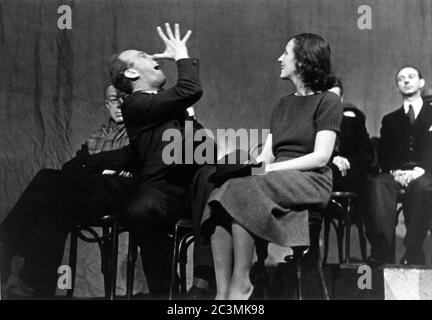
x=312 y=53
x=117 y=68
x=334 y=81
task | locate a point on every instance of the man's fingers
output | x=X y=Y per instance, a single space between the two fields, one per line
x=162 y=34
x=177 y=31
x=106 y=171
x=159 y=56
x=187 y=35
x=169 y=31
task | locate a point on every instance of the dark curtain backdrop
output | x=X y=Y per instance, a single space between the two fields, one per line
x=51 y=80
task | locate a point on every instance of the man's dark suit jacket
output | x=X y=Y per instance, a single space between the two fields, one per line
x=403 y=146
x=147 y=116
x=356 y=146
x=354 y=140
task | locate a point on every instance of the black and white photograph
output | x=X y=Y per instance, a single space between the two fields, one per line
x=199 y=153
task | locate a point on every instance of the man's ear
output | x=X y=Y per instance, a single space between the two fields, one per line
x=131 y=74
x=422 y=83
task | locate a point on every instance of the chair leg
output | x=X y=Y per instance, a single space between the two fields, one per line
x=189 y=239
x=348 y=230
x=73 y=261
x=340 y=237
x=131 y=261
x=326 y=239
x=174 y=263
x=362 y=239
x=299 y=279
x=105 y=260
x=113 y=260
x=322 y=282
x=184 y=244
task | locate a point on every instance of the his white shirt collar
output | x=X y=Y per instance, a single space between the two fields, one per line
x=149 y=91
x=191 y=111
x=417 y=105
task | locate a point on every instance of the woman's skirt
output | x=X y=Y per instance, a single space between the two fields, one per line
x=274 y=206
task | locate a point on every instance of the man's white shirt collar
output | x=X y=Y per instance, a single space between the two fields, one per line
x=149 y=91
x=417 y=105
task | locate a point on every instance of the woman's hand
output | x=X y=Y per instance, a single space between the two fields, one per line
x=175 y=46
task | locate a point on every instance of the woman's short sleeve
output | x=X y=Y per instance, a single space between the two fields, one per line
x=329 y=113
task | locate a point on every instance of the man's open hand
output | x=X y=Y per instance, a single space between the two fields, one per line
x=175 y=46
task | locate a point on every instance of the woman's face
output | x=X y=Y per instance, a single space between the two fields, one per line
x=288 y=61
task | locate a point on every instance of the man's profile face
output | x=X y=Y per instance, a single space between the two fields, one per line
x=113 y=102
x=148 y=68
x=409 y=82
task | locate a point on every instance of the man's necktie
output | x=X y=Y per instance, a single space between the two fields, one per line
x=410 y=114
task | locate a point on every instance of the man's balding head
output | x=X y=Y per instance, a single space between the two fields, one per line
x=134 y=70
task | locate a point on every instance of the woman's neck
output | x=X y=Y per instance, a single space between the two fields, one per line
x=301 y=89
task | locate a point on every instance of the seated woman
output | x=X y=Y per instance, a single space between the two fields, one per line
x=274 y=206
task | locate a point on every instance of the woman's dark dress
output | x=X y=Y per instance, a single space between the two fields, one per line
x=275 y=206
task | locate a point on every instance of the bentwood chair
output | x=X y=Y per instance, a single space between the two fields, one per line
x=108 y=245
x=302 y=259
x=183 y=239
x=339 y=214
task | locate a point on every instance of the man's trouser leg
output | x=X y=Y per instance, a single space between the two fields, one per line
x=152 y=213
x=51 y=205
x=383 y=194
x=418 y=210
x=198 y=196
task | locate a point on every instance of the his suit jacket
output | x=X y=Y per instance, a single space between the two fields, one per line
x=148 y=116
x=354 y=145
x=403 y=146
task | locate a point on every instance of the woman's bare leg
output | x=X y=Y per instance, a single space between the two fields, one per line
x=243 y=243
x=222 y=247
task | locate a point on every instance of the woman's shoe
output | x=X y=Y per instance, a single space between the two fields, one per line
x=251 y=294
x=197 y=293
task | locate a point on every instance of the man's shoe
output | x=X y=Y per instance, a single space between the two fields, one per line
x=375 y=262
x=413 y=259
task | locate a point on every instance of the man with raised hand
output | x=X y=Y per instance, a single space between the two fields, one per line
x=148 y=112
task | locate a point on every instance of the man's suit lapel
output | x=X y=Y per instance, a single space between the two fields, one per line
x=423 y=121
x=402 y=118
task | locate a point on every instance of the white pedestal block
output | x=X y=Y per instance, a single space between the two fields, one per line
x=401 y=283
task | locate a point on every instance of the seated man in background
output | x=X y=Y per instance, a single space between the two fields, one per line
x=355 y=157
x=405 y=158
x=350 y=164
x=95 y=182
